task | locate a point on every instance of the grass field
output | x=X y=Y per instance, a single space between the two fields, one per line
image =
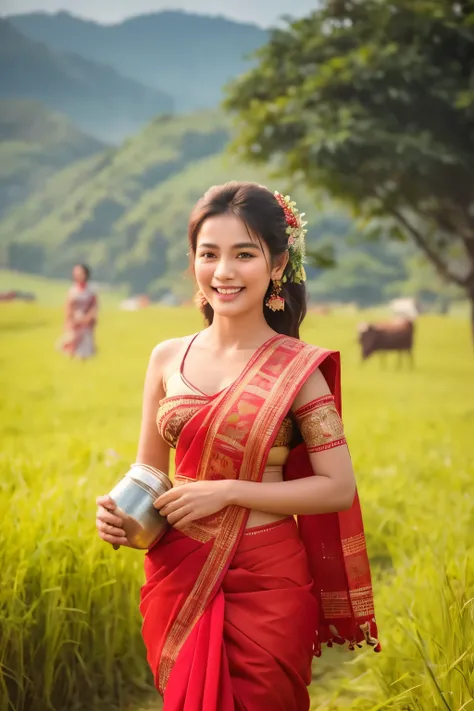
x=69 y=622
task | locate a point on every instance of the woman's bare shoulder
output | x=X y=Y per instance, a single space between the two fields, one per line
x=164 y=353
x=314 y=386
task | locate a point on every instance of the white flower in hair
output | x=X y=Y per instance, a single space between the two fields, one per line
x=296 y=237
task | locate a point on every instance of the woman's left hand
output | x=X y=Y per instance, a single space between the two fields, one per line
x=190 y=502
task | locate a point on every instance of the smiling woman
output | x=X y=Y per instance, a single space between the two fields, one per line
x=226 y=229
x=230 y=270
x=255 y=417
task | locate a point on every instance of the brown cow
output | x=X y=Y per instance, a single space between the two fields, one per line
x=389 y=336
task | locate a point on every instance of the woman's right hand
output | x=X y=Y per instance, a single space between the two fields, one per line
x=109 y=525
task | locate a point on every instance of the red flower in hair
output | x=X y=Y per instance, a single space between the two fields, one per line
x=290 y=217
x=296 y=232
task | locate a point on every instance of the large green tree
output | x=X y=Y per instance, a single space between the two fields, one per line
x=373 y=101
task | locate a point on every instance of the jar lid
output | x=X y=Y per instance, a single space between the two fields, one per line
x=155 y=479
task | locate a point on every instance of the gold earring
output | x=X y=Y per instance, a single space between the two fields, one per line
x=275 y=302
x=200 y=300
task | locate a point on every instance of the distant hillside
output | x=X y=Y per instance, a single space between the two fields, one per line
x=190 y=57
x=125 y=212
x=96 y=97
x=35 y=143
x=81 y=212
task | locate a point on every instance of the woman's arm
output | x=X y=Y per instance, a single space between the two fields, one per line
x=152 y=449
x=333 y=488
x=91 y=313
x=68 y=320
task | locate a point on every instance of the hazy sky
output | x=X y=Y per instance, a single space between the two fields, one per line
x=262 y=12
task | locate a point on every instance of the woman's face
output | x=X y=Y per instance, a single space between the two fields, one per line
x=79 y=275
x=232 y=268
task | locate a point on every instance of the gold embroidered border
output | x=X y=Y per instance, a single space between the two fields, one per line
x=224 y=541
x=357 y=567
x=284 y=381
x=335 y=604
x=352 y=545
x=173 y=412
x=205 y=529
x=230 y=397
x=320 y=424
x=324 y=447
x=362 y=601
x=183 y=479
x=168 y=404
x=195 y=530
x=314 y=405
x=284 y=385
x=197 y=533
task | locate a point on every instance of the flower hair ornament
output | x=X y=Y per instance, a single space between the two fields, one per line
x=296 y=232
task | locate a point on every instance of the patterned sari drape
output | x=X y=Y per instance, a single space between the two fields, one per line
x=191 y=648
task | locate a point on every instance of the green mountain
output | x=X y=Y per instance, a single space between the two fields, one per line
x=190 y=57
x=35 y=143
x=125 y=212
x=95 y=96
x=81 y=212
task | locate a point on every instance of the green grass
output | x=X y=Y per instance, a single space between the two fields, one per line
x=69 y=621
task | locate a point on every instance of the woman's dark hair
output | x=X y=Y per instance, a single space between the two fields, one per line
x=264 y=219
x=85 y=269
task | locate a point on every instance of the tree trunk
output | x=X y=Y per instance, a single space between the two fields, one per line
x=471 y=303
x=470 y=297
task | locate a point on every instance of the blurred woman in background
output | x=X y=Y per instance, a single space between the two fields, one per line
x=239 y=595
x=81 y=316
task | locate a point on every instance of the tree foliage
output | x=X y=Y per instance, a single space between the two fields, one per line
x=373 y=100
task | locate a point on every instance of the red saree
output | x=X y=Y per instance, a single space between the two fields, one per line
x=228 y=624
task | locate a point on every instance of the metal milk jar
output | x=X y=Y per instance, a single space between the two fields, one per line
x=134 y=496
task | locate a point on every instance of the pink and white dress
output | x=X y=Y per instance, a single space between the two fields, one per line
x=81 y=320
